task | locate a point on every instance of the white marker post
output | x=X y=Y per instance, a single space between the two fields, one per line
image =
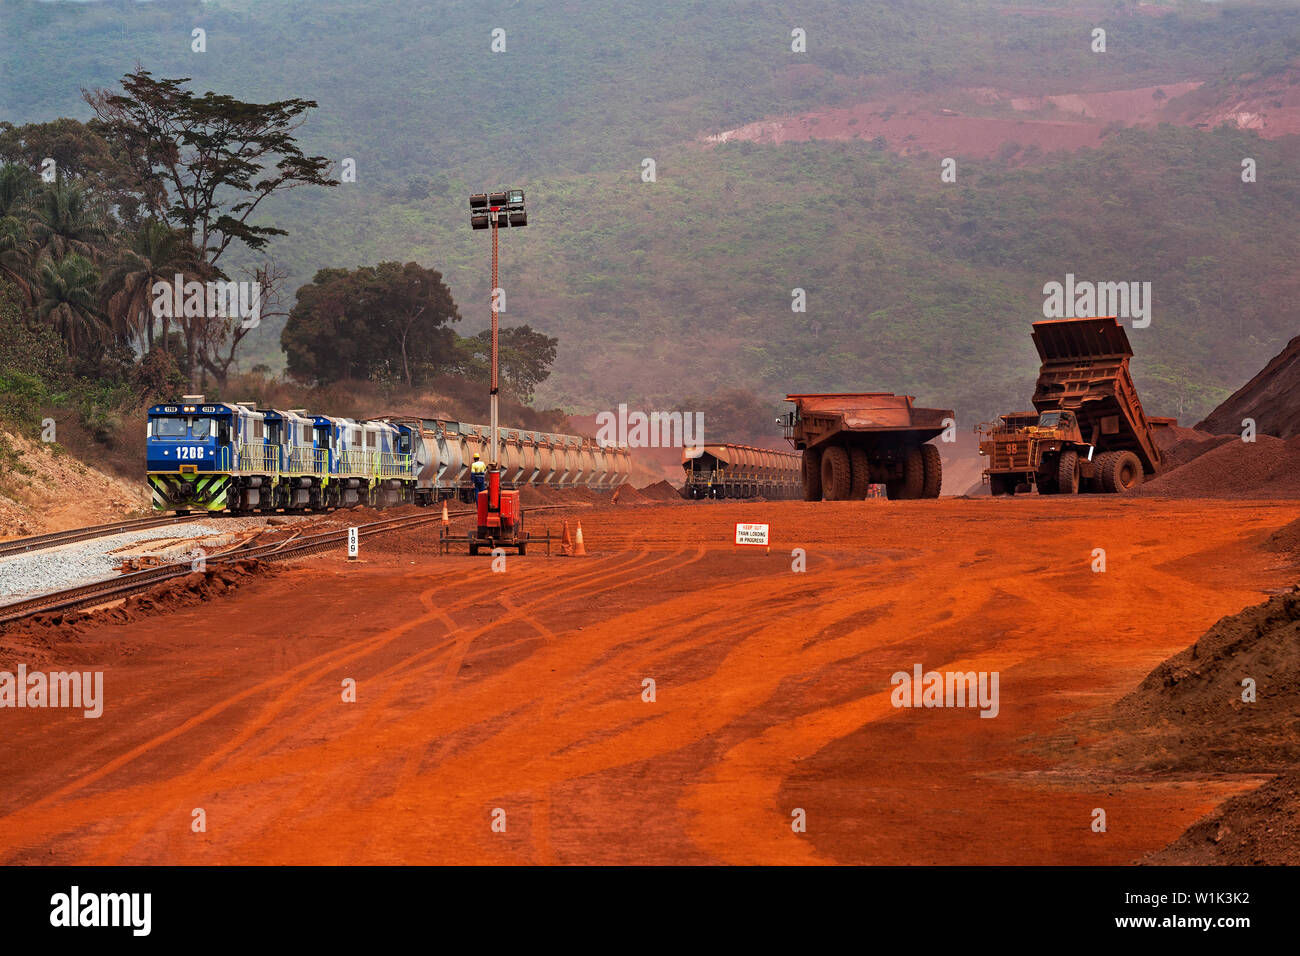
x=753 y=536
x=354 y=544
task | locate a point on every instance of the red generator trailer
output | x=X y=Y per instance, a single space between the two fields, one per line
x=500 y=518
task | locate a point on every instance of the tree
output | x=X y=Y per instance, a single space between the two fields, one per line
x=156 y=253
x=66 y=221
x=67 y=300
x=83 y=155
x=17 y=255
x=349 y=324
x=524 y=358
x=218 y=158
x=17 y=184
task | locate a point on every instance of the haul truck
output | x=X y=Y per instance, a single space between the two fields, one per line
x=853 y=440
x=1088 y=430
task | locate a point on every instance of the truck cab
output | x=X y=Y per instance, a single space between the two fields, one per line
x=1061 y=425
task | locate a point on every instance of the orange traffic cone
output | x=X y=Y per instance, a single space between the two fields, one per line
x=566 y=543
x=446 y=519
x=579 y=549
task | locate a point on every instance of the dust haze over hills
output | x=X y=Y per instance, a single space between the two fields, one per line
x=776 y=170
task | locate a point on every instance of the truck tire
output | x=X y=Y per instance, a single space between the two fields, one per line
x=1121 y=472
x=837 y=477
x=1002 y=485
x=812 y=475
x=1045 y=480
x=932 y=469
x=913 y=481
x=861 y=469
x=1067 y=474
x=1101 y=464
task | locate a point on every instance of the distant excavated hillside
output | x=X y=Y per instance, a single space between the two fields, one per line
x=1117 y=166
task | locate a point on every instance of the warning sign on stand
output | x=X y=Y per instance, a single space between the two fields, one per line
x=754 y=535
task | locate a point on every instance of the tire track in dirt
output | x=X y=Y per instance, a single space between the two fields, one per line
x=635 y=566
x=561 y=707
x=332 y=661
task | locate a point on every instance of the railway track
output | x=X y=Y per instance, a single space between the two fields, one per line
x=112 y=589
x=40 y=542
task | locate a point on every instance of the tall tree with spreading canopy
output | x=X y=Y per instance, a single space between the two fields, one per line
x=219 y=158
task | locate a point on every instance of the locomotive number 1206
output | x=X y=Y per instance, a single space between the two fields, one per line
x=189 y=451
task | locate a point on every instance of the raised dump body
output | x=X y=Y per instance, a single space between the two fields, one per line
x=852 y=440
x=1090 y=432
x=741 y=471
x=1085 y=370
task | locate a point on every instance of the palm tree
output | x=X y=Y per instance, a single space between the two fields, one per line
x=67 y=300
x=15 y=189
x=66 y=222
x=16 y=255
x=156 y=254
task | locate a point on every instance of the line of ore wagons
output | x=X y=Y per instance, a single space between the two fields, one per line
x=233 y=456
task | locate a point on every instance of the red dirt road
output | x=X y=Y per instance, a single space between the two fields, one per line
x=522 y=691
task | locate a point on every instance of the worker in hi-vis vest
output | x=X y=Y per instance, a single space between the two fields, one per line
x=479 y=471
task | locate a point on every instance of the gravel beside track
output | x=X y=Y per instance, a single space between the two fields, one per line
x=69 y=565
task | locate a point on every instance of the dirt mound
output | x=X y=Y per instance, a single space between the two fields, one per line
x=36 y=639
x=1265 y=468
x=661 y=491
x=1271 y=398
x=1285 y=538
x=627 y=495
x=1188 y=714
x=1260 y=828
x=1180 y=445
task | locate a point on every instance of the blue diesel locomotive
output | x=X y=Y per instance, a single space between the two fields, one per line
x=235 y=457
x=222 y=456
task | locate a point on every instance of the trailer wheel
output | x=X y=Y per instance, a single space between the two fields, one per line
x=1067 y=474
x=913 y=481
x=812 y=475
x=1122 y=472
x=932 y=468
x=861 y=469
x=837 y=478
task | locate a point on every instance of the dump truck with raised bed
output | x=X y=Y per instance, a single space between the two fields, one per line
x=1088 y=431
x=850 y=441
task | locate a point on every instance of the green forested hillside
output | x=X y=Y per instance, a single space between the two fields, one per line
x=659 y=291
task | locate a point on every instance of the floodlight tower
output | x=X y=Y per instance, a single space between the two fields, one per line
x=496 y=211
